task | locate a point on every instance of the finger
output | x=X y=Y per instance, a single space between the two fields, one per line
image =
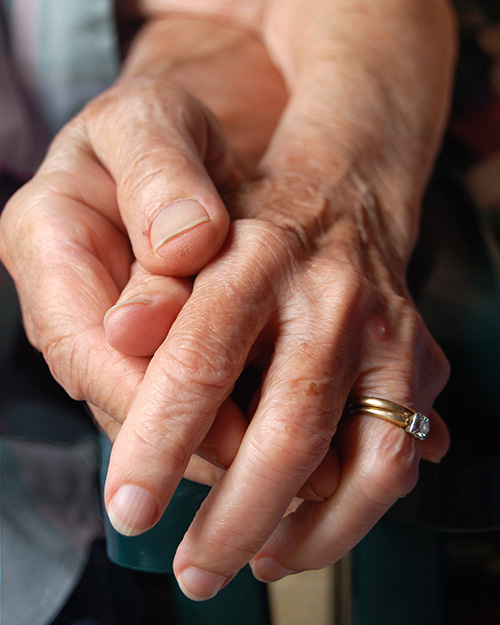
x=188 y=379
x=202 y=472
x=324 y=480
x=379 y=465
x=198 y=469
x=407 y=357
x=286 y=441
x=295 y=416
x=222 y=443
x=212 y=457
x=167 y=155
x=107 y=424
x=321 y=485
x=379 y=462
x=141 y=318
x=220 y=446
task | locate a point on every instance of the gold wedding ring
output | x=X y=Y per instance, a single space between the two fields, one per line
x=415 y=423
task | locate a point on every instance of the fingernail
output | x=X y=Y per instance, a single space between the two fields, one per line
x=434 y=459
x=307 y=492
x=210 y=455
x=268 y=570
x=132 y=510
x=122 y=304
x=200 y=585
x=175 y=219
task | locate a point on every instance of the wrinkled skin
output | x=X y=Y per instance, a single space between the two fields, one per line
x=310 y=171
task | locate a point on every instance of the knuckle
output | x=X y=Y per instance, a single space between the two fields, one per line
x=162 y=446
x=435 y=365
x=266 y=242
x=206 y=363
x=61 y=353
x=293 y=447
x=230 y=542
x=259 y=249
x=133 y=108
x=348 y=291
x=140 y=170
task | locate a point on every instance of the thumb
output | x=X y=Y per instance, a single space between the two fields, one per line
x=169 y=159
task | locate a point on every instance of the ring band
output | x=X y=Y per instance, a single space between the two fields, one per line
x=415 y=423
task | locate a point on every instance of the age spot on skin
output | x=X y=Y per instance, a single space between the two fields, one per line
x=312 y=390
x=316 y=388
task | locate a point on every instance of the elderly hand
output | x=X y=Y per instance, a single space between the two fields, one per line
x=309 y=283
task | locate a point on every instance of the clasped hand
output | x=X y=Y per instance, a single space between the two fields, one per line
x=295 y=209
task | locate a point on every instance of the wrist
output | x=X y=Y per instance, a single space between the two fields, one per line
x=223 y=67
x=382 y=98
x=169 y=45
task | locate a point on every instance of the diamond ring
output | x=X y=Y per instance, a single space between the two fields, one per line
x=415 y=423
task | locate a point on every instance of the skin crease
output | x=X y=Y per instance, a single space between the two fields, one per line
x=300 y=271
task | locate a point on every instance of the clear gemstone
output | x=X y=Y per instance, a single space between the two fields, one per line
x=418 y=426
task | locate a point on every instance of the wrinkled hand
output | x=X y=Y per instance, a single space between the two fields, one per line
x=144 y=157
x=309 y=285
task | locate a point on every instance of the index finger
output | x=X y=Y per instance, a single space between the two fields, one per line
x=188 y=379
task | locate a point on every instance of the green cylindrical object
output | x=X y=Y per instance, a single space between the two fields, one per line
x=154 y=550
